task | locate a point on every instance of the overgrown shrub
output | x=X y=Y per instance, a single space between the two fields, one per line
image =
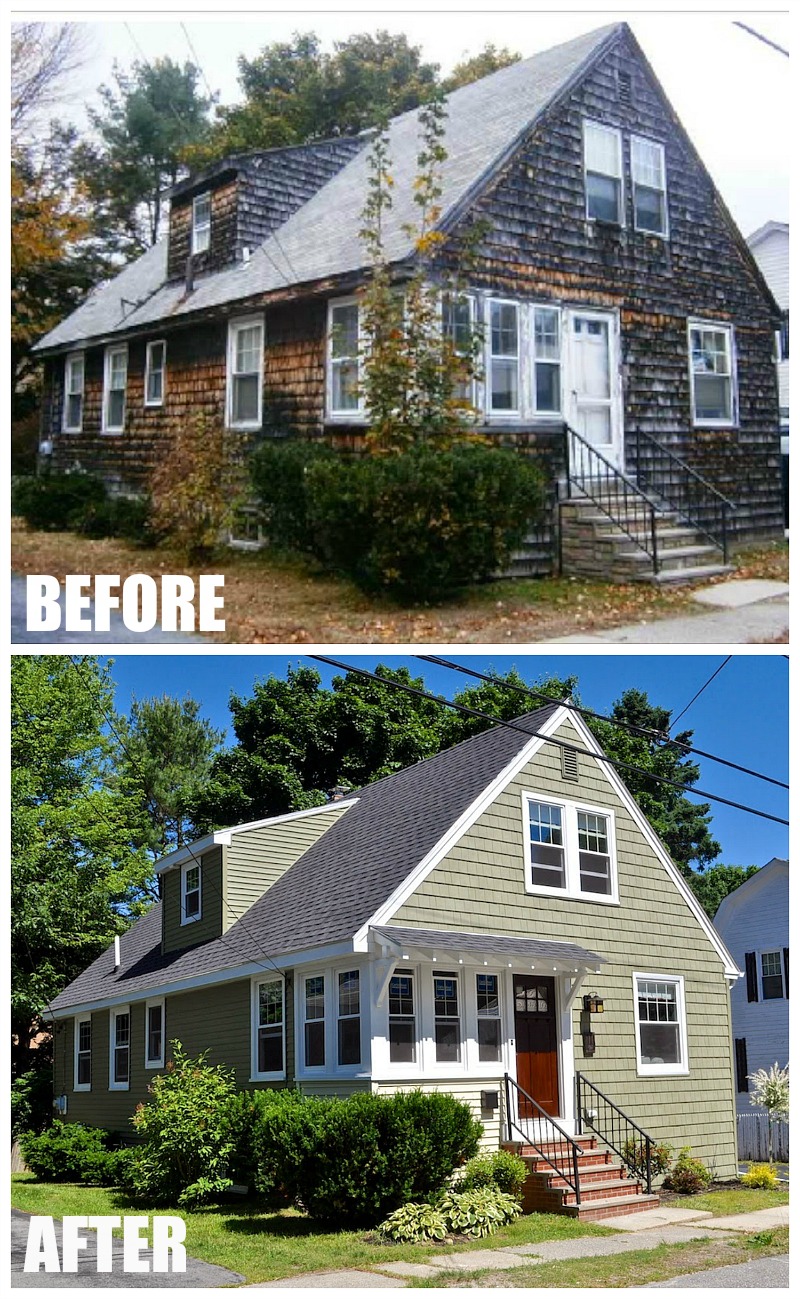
x=70 y=1152
x=32 y=1100
x=761 y=1176
x=56 y=502
x=415 y=1223
x=195 y=485
x=278 y=471
x=688 y=1176
x=479 y=1211
x=501 y=1169
x=635 y=1152
x=187 y=1138
x=353 y=1161
x=127 y=517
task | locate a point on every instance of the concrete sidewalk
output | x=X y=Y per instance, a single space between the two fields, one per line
x=662 y=1226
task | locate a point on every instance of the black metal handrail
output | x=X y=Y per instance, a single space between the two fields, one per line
x=686 y=492
x=616 y=1129
x=622 y=501
x=567 y=1148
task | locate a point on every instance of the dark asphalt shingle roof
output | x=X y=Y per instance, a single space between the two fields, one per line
x=485 y=120
x=488 y=944
x=338 y=883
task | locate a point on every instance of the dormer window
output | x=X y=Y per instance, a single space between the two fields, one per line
x=602 y=161
x=201 y=224
x=191 y=893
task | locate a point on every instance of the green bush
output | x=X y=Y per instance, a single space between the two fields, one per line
x=760 y=1176
x=278 y=471
x=32 y=1100
x=56 y=502
x=117 y=516
x=479 y=1211
x=70 y=1152
x=688 y=1176
x=501 y=1169
x=352 y=1161
x=415 y=1223
x=187 y=1138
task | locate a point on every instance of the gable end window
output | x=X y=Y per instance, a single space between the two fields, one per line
x=115 y=381
x=83 y=1054
x=602 y=164
x=344 y=360
x=649 y=183
x=660 y=1024
x=154 y=372
x=269 y=1014
x=74 y=382
x=191 y=893
x=201 y=224
x=120 y=1046
x=154 y=1034
x=245 y=373
x=570 y=849
x=712 y=374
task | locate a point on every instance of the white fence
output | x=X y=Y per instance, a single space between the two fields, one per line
x=751 y=1130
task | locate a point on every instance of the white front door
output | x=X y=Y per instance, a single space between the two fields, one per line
x=593 y=381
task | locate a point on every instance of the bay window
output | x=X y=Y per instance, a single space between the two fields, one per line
x=402 y=1020
x=348 y=1027
x=314 y=1022
x=446 y=1018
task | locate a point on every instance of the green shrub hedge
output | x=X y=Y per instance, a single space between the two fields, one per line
x=78 y=502
x=71 y=1152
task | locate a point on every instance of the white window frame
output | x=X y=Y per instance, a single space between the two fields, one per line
x=557 y=309
x=358 y=413
x=490 y=357
x=661 y=1070
x=272 y=1075
x=470 y=299
x=154 y=1062
x=572 y=872
x=149 y=370
x=499 y=1018
x=723 y=327
x=116 y=349
x=329 y=1063
x=79 y=1086
x=771 y=951
x=113 y=1013
x=203 y=229
x=413 y=1067
x=185 y=868
x=234 y=326
x=338 y=1018
x=619 y=177
x=69 y=362
x=449 y=973
x=653 y=144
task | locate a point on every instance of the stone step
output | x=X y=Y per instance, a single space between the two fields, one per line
x=698 y=556
x=670 y=577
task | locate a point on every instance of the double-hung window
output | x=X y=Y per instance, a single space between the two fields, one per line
x=490 y=1033
x=191 y=893
x=546 y=845
x=402 y=1019
x=772 y=975
x=120 y=1043
x=348 y=1028
x=154 y=370
x=154 y=1034
x=83 y=1054
x=594 y=857
x=602 y=162
x=711 y=373
x=547 y=360
x=458 y=334
x=503 y=379
x=201 y=223
x=245 y=373
x=269 y=1014
x=660 y=1024
x=569 y=849
x=344 y=347
x=649 y=182
x=114 y=387
x=314 y=1022
x=446 y=1019
x=74 y=382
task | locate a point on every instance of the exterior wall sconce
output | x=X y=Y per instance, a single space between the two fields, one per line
x=593 y=1004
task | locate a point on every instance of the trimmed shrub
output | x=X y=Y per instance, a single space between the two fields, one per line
x=56 y=502
x=353 y=1161
x=69 y=1152
x=688 y=1176
x=32 y=1100
x=501 y=1169
x=415 y=1223
x=478 y=1212
x=278 y=471
x=761 y=1176
x=187 y=1137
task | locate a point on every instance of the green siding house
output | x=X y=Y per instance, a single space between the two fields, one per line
x=452 y=927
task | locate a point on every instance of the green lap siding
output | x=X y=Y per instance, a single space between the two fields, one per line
x=176 y=935
x=255 y=859
x=480 y=887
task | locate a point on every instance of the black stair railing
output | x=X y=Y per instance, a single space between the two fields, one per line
x=687 y=493
x=615 y=1128
x=558 y=1148
x=590 y=474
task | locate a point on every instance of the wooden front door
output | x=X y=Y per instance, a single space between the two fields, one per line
x=537 y=1043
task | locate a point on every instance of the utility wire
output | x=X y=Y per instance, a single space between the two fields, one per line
x=198 y=64
x=705 y=686
x=644 y=731
x=752 y=32
x=549 y=739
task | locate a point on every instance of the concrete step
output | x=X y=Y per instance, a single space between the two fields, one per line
x=698 y=556
x=670 y=576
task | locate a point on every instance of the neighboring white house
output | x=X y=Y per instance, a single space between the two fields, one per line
x=770 y=247
x=753 y=922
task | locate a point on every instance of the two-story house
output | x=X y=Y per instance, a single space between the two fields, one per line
x=627 y=333
x=499 y=922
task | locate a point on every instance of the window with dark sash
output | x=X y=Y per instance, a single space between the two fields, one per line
x=349 y=1018
x=314 y=1027
x=270 y=1026
x=83 y=1053
x=489 y=1022
x=402 y=1020
x=446 y=1018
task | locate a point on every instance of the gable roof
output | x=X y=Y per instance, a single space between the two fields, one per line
x=776 y=868
x=337 y=885
x=485 y=121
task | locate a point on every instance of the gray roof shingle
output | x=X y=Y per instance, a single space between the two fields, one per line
x=338 y=883
x=485 y=120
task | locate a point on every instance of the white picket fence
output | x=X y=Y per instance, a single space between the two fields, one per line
x=751 y=1130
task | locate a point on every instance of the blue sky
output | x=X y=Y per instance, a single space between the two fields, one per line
x=741 y=716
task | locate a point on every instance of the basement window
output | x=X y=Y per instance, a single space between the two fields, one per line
x=648 y=177
x=602 y=162
x=660 y=1024
x=201 y=224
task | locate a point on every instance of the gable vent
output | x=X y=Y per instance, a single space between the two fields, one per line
x=569 y=764
x=624 y=87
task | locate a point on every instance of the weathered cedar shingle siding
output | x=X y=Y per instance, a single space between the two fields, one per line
x=224 y=220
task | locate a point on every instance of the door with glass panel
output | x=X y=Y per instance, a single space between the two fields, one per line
x=594 y=406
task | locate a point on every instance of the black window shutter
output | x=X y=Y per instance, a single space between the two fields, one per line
x=786 y=972
x=740 y=1044
x=752 y=976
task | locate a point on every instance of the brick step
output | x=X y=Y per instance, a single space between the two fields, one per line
x=601 y=1175
x=596 y=1210
x=592 y=1162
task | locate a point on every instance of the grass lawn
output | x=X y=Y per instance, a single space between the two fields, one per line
x=723 y=1201
x=265 y=1246
x=282 y=600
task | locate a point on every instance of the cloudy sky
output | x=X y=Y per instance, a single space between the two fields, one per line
x=729 y=89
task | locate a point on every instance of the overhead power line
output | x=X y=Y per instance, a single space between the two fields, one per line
x=699 y=692
x=197 y=62
x=549 y=739
x=645 y=732
x=752 y=32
